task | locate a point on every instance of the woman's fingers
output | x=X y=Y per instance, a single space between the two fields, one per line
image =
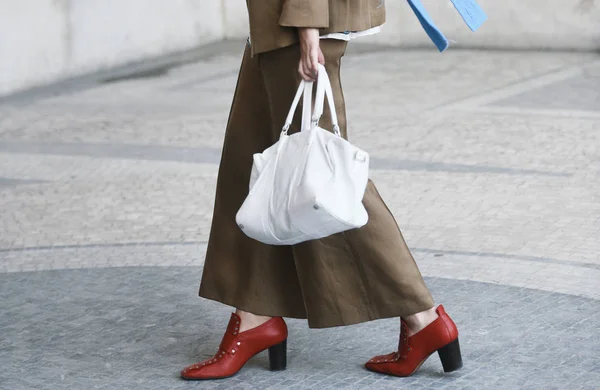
x=308 y=65
x=301 y=70
x=314 y=61
x=305 y=67
x=308 y=68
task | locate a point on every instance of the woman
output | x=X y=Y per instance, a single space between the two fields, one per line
x=359 y=275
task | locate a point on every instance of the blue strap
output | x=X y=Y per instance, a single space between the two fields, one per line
x=469 y=10
x=430 y=28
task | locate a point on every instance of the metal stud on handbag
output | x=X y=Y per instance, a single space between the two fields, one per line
x=310 y=184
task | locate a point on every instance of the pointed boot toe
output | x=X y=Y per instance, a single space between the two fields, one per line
x=381 y=363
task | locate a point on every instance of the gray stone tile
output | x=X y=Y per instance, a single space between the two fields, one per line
x=577 y=93
x=213 y=156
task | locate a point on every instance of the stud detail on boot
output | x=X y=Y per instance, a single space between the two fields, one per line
x=441 y=336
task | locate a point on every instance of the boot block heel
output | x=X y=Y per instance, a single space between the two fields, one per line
x=278 y=356
x=450 y=356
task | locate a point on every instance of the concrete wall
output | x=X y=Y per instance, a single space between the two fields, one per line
x=42 y=41
x=32 y=42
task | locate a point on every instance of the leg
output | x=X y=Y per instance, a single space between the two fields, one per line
x=280 y=88
x=238 y=271
x=418 y=321
x=250 y=320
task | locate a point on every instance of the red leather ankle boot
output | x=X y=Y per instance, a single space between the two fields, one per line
x=237 y=348
x=441 y=336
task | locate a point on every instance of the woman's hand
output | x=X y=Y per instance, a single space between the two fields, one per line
x=310 y=53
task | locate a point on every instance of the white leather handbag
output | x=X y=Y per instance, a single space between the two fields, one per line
x=310 y=184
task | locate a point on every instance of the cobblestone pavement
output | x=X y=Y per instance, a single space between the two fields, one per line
x=489 y=160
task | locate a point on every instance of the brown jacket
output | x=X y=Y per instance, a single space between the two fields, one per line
x=273 y=22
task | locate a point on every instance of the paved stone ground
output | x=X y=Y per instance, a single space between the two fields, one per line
x=134 y=327
x=489 y=160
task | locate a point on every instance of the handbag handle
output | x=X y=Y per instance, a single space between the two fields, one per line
x=305 y=91
x=324 y=89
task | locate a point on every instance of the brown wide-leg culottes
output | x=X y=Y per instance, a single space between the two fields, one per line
x=351 y=277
